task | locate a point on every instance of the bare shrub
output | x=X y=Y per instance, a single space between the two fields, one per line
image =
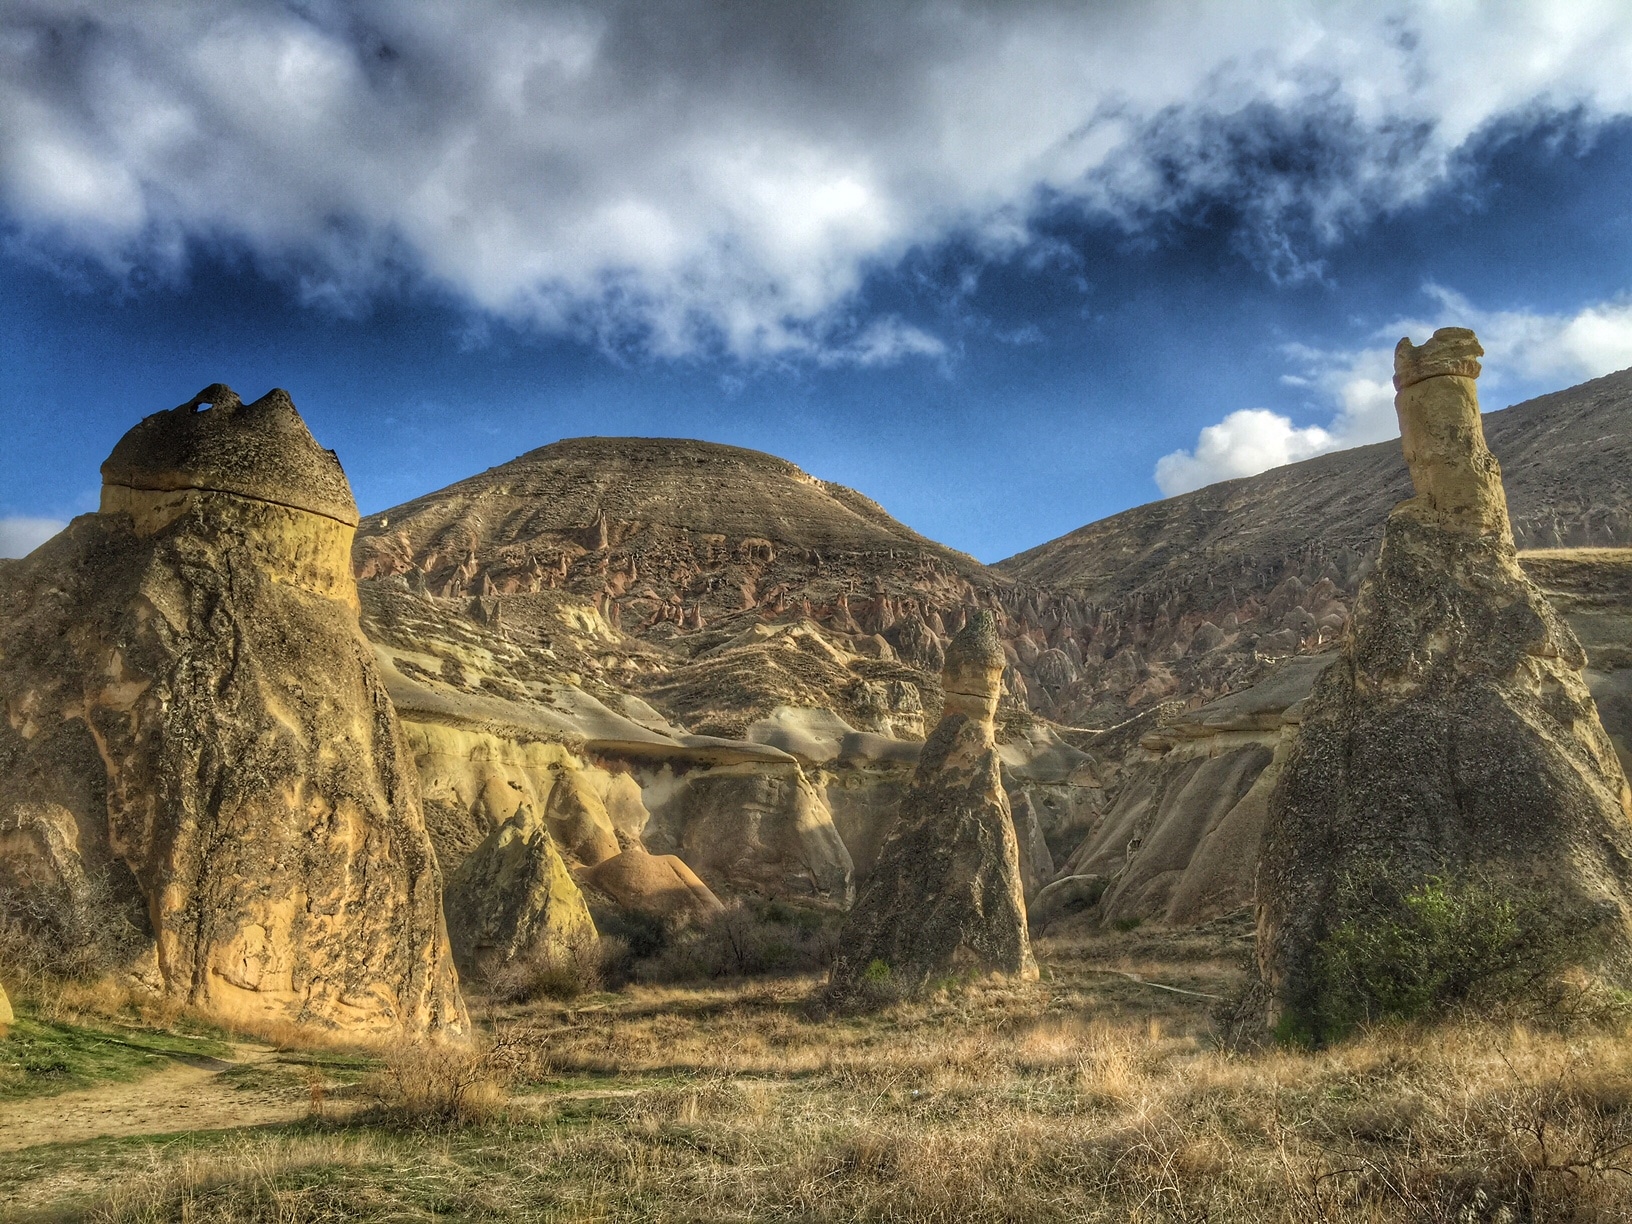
x=748 y=938
x=554 y=970
x=440 y=1085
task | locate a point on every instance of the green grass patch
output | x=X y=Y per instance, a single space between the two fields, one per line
x=43 y=1057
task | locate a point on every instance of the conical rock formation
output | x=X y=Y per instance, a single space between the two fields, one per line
x=947 y=893
x=513 y=898
x=199 y=765
x=1453 y=742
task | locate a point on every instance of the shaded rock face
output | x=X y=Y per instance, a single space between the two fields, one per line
x=946 y=892
x=1455 y=734
x=513 y=898
x=754 y=827
x=196 y=723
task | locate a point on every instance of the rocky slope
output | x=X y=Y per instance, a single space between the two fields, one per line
x=749 y=656
x=1191 y=595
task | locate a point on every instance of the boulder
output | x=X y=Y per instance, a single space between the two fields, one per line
x=513 y=898
x=197 y=726
x=1453 y=740
x=1064 y=897
x=657 y=886
x=947 y=892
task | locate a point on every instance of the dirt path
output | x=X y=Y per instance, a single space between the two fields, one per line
x=190 y=1094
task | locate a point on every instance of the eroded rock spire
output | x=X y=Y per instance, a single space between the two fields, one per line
x=946 y=893
x=1452 y=751
x=200 y=749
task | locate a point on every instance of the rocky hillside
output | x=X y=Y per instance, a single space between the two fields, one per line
x=1185 y=593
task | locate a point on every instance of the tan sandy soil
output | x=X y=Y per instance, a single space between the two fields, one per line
x=191 y=1095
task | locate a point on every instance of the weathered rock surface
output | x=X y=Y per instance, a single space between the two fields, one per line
x=512 y=898
x=946 y=892
x=197 y=736
x=1179 y=842
x=1455 y=733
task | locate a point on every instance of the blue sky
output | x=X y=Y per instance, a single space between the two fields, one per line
x=1006 y=269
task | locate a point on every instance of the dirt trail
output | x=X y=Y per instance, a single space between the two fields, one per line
x=189 y=1094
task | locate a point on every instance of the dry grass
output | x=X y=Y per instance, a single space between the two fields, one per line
x=1084 y=1097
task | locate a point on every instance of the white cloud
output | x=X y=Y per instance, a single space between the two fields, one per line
x=1247 y=441
x=20 y=536
x=701 y=175
x=1522 y=348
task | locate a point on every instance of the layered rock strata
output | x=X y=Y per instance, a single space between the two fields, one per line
x=1455 y=735
x=946 y=893
x=198 y=744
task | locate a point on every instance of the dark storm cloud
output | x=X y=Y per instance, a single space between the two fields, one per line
x=692 y=177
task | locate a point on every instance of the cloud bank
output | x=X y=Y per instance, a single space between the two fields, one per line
x=1520 y=346
x=722 y=177
x=20 y=536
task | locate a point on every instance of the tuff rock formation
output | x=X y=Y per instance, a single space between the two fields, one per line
x=200 y=769
x=946 y=892
x=1454 y=736
x=513 y=898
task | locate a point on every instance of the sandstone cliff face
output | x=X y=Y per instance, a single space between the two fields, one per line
x=947 y=891
x=1455 y=734
x=196 y=734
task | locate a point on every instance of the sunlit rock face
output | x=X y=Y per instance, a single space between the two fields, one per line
x=196 y=734
x=946 y=892
x=1455 y=735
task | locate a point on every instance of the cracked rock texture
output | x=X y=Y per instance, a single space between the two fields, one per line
x=946 y=893
x=198 y=744
x=1455 y=732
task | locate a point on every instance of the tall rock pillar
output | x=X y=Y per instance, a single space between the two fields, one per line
x=1453 y=744
x=198 y=746
x=946 y=892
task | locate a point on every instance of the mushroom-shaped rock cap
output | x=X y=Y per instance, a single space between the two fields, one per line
x=976 y=645
x=1451 y=350
x=216 y=441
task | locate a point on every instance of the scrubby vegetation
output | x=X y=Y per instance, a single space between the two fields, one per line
x=1443 y=944
x=1095 y=1094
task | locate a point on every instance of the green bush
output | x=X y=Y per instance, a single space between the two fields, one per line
x=1421 y=952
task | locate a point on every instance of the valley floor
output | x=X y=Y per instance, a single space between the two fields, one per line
x=1095 y=1094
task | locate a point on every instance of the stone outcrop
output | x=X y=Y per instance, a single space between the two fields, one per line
x=1455 y=735
x=946 y=893
x=512 y=898
x=198 y=740
x=7 y=1018
x=1179 y=842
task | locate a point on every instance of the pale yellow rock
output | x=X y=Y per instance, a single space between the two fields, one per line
x=1457 y=480
x=658 y=885
x=204 y=727
x=513 y=897
x=475 y=780
x=7 y=1018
